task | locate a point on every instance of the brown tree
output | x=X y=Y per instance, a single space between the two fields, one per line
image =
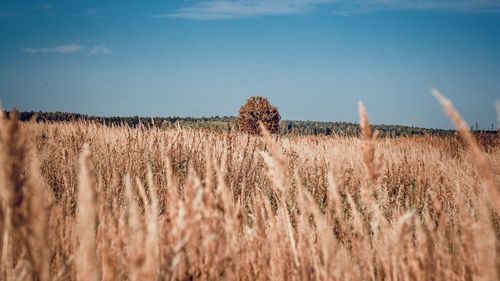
x=258 y=109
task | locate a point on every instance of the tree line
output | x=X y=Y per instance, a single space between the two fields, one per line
x=230 y=123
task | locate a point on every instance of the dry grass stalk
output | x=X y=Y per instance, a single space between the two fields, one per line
x=15 y=204
x=497 y=107
x=38 y=213
x=152 y=263
x=135 y=233
x=479 y=156
x=275 y=161
x=374 y=165
x=86 y=263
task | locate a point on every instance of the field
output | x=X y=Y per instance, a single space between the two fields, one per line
x=86 y=201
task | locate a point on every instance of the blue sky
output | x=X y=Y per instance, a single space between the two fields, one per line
x=314 y=59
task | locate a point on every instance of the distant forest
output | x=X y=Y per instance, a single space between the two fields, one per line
x=229 y=124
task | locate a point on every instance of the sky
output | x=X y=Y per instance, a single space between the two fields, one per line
x=313 y=59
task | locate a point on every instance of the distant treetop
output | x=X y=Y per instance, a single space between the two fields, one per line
x=255 y=110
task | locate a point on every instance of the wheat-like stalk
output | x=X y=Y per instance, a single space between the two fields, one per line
x=86 y=221
x=374 y=165
x=479 y=156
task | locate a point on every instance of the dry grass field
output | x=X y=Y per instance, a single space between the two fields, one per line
x=83 y=201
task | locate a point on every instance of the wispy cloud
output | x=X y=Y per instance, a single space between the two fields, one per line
x=61 y=49
x=100 y=50
x=24 y=11
x=90 y=12
x=213 y=10
x=225 y=9
x=69 y=49
x=464 y=6
x=93 y=13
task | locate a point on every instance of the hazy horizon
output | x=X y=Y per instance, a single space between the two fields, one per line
x=313 y=59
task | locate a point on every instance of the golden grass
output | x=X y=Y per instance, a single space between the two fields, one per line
x=477 y=153
x=83 y=201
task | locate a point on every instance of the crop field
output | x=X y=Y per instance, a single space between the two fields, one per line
x=86 y=201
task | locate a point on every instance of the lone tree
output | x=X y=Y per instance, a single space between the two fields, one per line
x=258 y=109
